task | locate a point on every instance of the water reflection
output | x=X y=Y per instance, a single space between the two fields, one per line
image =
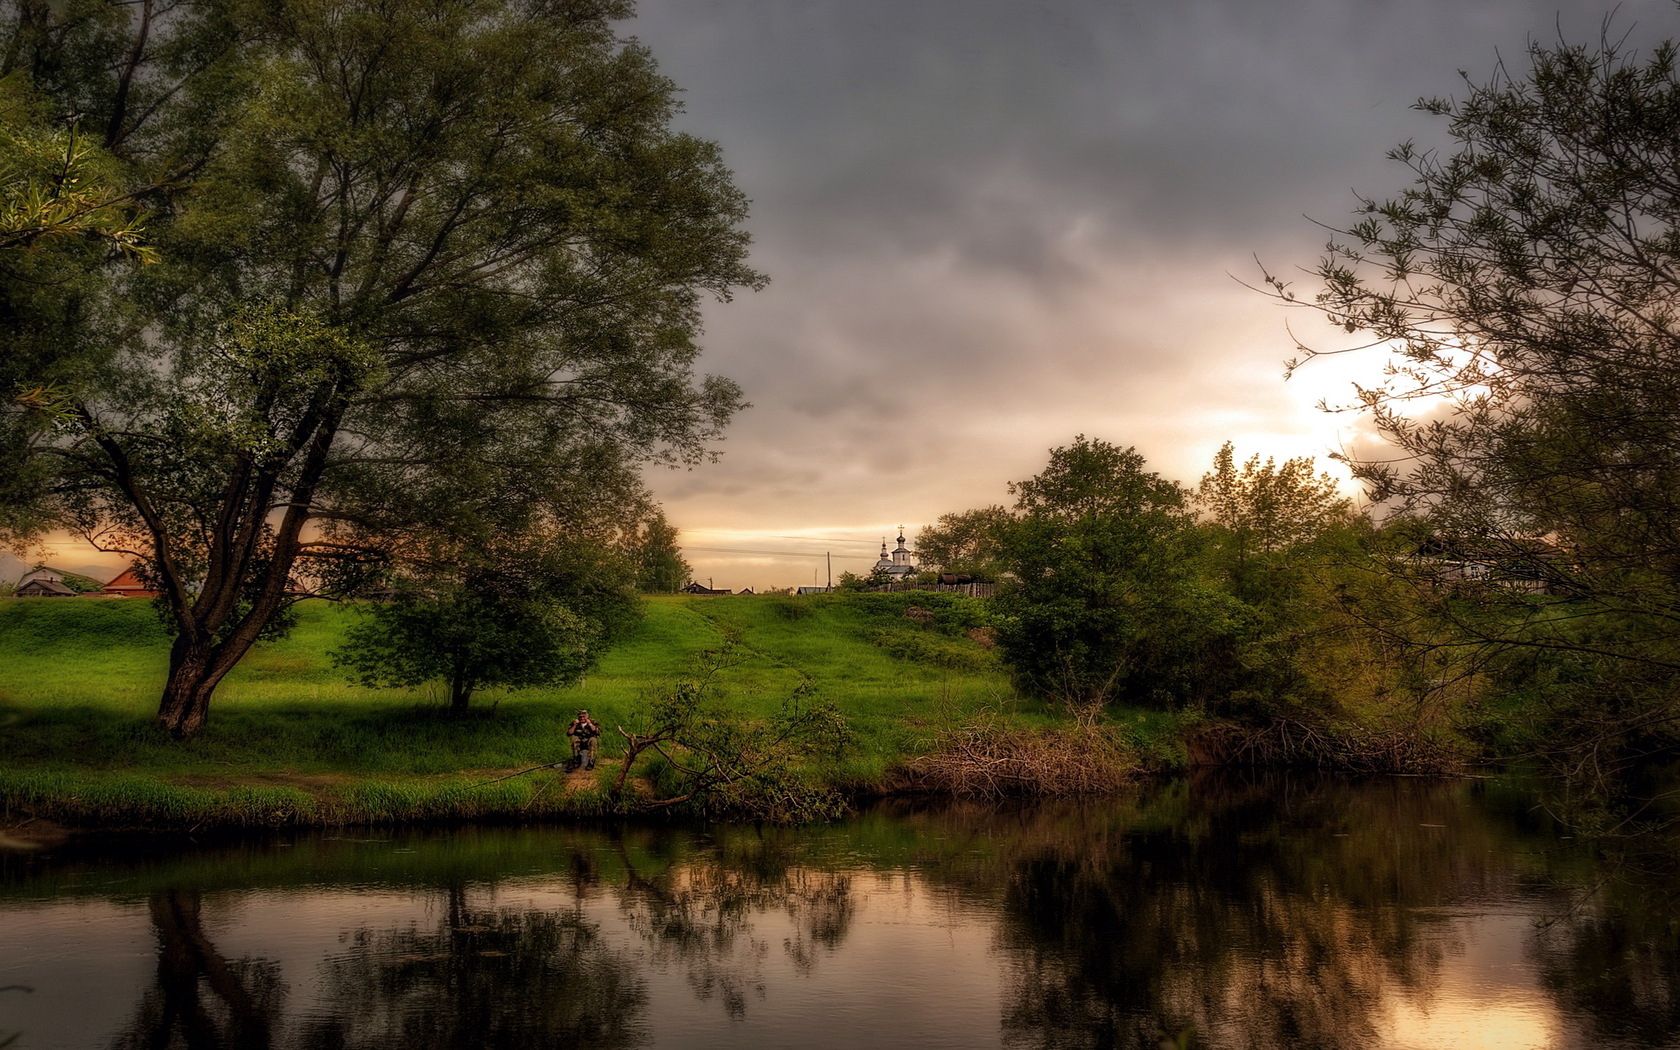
x=700 y=916
x=199 y=997
x=1249 y=912
x=1613 y=960
x=482 y=977
x=1233 y=924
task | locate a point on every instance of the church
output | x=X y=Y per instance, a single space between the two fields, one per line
x=898 y=564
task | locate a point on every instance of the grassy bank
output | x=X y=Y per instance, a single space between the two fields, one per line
x=290 y=741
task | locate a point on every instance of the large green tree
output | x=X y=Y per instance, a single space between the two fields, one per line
x=656 y=557
x=509 y=615
x=1282 y=540
x=1264 y=517
x=967 y=542
x=423 y=263
x=1524 y=288
x=1103 y=601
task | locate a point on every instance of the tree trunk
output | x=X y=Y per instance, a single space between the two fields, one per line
x=188 y=964
x=186 y=693
x=460 y=693
x=196 y=667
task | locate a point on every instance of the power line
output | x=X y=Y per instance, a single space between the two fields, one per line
x=765 y=553
x=821 y=539
x=854 y=545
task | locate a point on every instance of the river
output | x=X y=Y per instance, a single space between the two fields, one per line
x=1242 y=911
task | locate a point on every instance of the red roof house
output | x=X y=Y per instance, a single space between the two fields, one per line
x=129 y=585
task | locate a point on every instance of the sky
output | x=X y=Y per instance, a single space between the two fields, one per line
x=992 y=225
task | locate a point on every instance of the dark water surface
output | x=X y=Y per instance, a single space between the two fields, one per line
x=1248 y=912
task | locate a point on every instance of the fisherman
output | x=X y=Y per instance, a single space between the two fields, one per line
x=582 y=733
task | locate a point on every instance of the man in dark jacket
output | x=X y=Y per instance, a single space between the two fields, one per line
x=582 y=733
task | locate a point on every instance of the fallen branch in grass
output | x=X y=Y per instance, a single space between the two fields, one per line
x=541 y=790
x=717 y=762
x=520 y=773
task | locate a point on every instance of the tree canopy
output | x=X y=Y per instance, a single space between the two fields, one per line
x=424 y=269
x=1102 y=603
x=656 y=557
x=965 y=542
x=531 y=613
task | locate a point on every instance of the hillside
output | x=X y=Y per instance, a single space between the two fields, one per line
x=291 y=740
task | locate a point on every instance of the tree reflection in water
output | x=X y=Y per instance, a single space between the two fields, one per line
x=1613 y=960
x=199 y=999
x=483 y=977
x=1219 y=912
x=492 y=976
x=701 y=916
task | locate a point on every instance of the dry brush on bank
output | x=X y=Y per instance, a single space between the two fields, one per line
x=992 y=758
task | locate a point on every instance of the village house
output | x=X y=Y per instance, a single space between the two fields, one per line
x=43 y=587
x=44 y=581
x=1533 y=566
x=128 y=584
x=699 y=588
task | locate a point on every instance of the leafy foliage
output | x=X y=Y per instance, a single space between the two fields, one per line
x=1524 y=285
x=1264 y=510
x=1252 y=600
x=714 y=761
x=966 y=542
x=1104 y=602
x=57 y=185
x=65 y=212
x=656 y=556
x=510 y=618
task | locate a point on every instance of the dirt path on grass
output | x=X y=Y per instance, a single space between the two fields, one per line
x=575 y=780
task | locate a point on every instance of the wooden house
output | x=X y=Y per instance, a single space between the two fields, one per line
x=700 y=588
x=43 y=587
x=44 y=581
x=128 y=584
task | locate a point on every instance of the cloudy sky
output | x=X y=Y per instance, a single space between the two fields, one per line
x=990 y=226
x=993 y=224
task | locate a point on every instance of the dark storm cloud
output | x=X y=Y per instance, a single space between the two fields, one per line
x=990 y=226
x=897 y=125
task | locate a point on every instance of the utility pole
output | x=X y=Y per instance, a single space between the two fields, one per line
x=829 y=557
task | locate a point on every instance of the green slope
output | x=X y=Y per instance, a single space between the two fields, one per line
x=290 y=739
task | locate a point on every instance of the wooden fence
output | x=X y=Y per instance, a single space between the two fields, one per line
x=973 y=590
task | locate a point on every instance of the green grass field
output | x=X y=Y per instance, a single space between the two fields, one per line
x=290 y=740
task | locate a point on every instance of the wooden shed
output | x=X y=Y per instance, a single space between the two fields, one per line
x=43 y=587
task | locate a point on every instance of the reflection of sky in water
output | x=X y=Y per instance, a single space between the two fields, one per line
x=1072 y=928
x=1486 y=995
x=916 y=968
